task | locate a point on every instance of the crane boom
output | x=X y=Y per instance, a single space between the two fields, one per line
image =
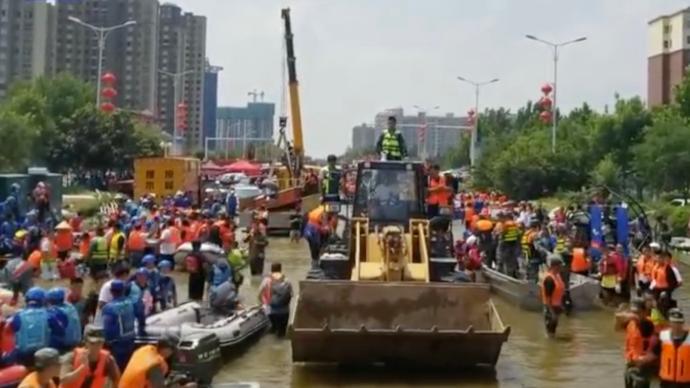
x=298 y=141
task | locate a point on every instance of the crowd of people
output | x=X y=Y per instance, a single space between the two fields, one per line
x=129 y=264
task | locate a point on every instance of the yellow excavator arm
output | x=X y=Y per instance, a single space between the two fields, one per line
x=296 y=113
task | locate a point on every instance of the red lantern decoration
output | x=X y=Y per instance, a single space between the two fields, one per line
x=181 y=113
x=545 y=116
x=107 y=107
x=545 y=103
x=546 y=89
x=109 y=78
x=109 y=93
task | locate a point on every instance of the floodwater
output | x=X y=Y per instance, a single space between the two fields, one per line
x=587 y=352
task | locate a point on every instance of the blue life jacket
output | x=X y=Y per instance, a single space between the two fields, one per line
x=34 y=332
x=73 y=329
x=121 y=325
x=135 y=292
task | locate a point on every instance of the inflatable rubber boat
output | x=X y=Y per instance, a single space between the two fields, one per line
x=192 y=318
x=211 y=251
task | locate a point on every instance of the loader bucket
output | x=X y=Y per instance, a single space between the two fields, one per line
x=421 y=324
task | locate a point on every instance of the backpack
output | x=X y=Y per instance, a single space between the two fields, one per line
x=191 y=263
x=280 y=294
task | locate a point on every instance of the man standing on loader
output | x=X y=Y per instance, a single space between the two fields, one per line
x=391 y=145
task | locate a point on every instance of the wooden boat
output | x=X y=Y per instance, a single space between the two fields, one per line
x=584 y=291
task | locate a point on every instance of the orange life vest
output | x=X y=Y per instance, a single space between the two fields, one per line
x=661 y=282
x=645 y=266
x=674 y=365
x=84 y=247
x=556 y=298
x=315 y=216
x=136 y=241
x=187 y=234
x=31 y=381
x=469 y=212
x=440 y=196
x=35 y=259
x=580 y=262
x=63 y=240
x=634 y=343
x=98 y=375
x=175 y=236
x=143 y=359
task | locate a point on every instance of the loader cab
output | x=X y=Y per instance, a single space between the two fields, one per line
x=389 y=192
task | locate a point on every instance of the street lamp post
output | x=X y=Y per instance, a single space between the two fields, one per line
x=555 y=47
x=425 y=125
x=176 y=77
x=102 y=33
x=473 y=136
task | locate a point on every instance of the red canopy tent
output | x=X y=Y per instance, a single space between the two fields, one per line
x=245 y=167
x=211 y=169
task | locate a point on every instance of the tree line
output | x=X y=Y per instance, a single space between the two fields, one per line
x=630 y=148
x=54 y=122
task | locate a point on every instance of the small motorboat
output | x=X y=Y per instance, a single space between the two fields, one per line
x=211 y=251
x=11 y=376
x=191 y=318
x=584 y=291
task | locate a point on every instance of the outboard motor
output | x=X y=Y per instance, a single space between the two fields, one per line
x=198 y=358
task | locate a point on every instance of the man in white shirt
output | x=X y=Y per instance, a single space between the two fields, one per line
x=104 y=295
x=167 y=247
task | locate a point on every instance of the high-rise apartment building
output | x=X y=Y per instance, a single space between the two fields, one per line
x=182 y=50
x=241 y=126
x=668 y=56
x=27 y=30
x=210 y=106
x=130 y=52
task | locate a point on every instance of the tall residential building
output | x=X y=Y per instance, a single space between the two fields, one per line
x=130 y=52
x=425 y=136
x=363 y=137
x=210 y=100
x=668 y=56
x=241 y=126
x=27 y=31
x=182 y=49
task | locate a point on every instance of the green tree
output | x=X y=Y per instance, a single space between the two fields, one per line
x=663 y=158
x=682 y=96
x=607 y=173
x=17 y=137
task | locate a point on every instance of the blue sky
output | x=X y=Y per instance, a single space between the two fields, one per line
x=357 y=57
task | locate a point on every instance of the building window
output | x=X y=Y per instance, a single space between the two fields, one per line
x=687 y=39
x=667 y=29
x=150 y=174
x=666 y=44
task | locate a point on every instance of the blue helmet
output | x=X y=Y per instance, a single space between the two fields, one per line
x=165 y=264
x=117 y=285
x=142 y=271
x=148 y=259
x=35 y=295
x=56 y=295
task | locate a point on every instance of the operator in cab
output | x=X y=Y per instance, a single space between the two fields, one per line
x=391 y=145
x=330 y=177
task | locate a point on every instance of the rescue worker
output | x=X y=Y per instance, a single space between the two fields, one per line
x=167 y=290
x=666 y=277
x=391 y=145
x=220 y=273
x=89 y=366
x=149 y=365
x=508 y=247
x=330 y=177
x=33 y=326
x=136 y=245
x=644 y=268
x=673 y=350
x=552 y=292
x=98 y=253
x=529 y=253
x=59 y=307
x=119 y=316
x=238 y=261
x=116 y=248
x=316 y=221
x=140 y=292
x=438 y=194
x=47 y=367
x=196 y=266
x=639 y=332
x=580 y=263
x=223 y=298
x=275 y=294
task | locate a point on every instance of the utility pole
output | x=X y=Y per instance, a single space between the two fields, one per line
x=475 y=126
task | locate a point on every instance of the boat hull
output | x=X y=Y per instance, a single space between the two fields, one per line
x=584 y=292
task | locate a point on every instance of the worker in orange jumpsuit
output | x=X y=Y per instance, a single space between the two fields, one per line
x=438 y=193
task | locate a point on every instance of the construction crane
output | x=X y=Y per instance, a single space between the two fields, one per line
x=296 y=150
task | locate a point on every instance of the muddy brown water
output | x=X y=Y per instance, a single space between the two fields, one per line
x=587 y=352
